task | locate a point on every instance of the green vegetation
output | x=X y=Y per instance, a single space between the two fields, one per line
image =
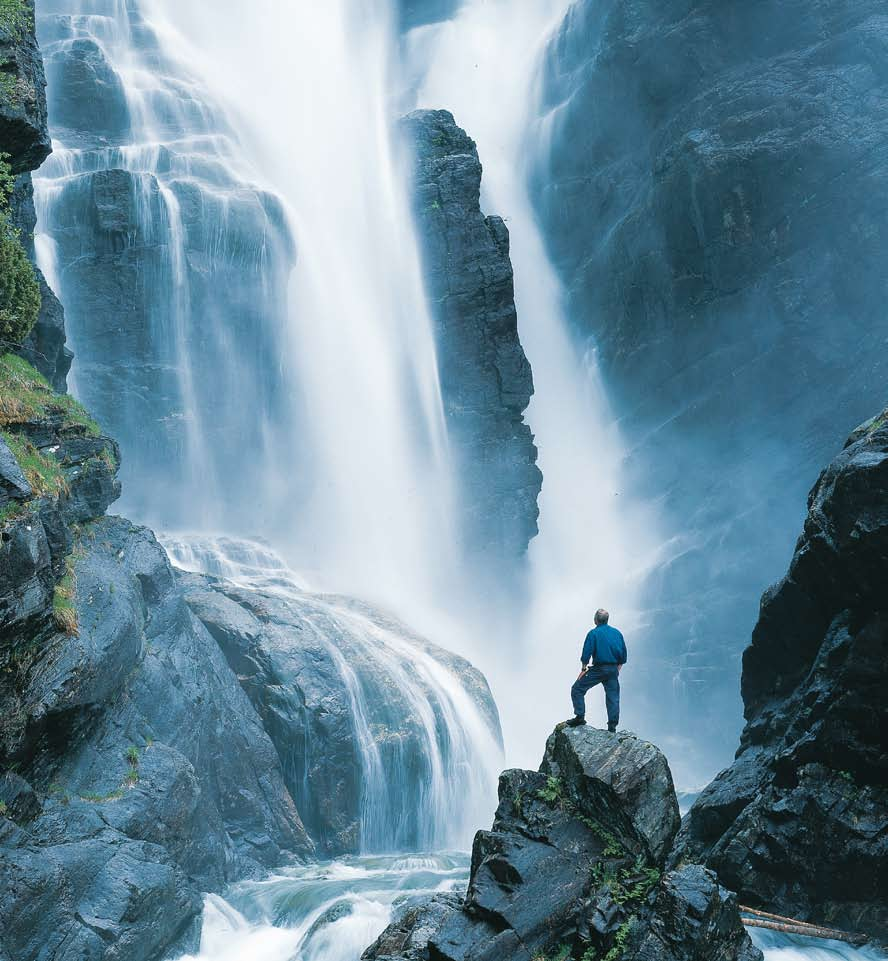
x=553 y=792
x=132 y=756
x=19 y=291
x=64 y=611
x=562 y=954
x=131 y=778
x=15 y=19
x=25 y=395
x=115 y=795
x=41 y=470
x=3 y=809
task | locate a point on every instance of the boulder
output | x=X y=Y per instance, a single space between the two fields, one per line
x=621 y=773
x=572 y=869
x=796 y=824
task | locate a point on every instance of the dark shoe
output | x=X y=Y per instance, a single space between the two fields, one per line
x=612 y=728
x=576 y=721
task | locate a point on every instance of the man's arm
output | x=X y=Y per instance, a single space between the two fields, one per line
x=588 y=650
x=624 y=654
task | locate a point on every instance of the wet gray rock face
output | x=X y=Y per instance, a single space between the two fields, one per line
x=797 y=822
x=294 y=657
x=716 y=199
x=418 y=13
x=143 y=774
x=573 y=865
x=486 y=380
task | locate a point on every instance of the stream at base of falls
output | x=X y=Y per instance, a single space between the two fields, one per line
x=332 y=911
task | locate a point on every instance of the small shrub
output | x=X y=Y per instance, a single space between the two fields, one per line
x=131 y=778
x=115 y=795
x=3 y=809
x=132 y=756
x=19 y=291
x=553 y=792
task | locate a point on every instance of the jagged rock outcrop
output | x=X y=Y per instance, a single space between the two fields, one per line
x=486 y=381
x=797 y=824
x=328 y=674
x=24 y=135
x=715 y=195
x=572 y=868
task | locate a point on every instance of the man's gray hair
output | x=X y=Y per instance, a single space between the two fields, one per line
x=601 y=616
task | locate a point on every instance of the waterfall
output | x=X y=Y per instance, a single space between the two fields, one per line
x=171 y=263
x=426 y=734
x=367 y=447
x=593 y=547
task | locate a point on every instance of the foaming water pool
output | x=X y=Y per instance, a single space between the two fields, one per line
x=321 y=912
x=333 y=910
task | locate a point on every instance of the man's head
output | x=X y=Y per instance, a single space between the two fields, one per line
x=601 y=616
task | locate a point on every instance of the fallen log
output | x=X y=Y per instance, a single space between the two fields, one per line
x=761 y=919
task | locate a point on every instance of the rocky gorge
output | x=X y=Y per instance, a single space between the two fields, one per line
x=165 y=733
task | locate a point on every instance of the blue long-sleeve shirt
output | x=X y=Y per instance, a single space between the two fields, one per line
x=604 y=645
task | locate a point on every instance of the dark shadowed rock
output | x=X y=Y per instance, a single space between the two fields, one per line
x=797 y=823
x=13 y=483
x=44 y=347
x=567 y=870
x=24 y=133
x=715 y=195
x=486 y=381
x=155 y=778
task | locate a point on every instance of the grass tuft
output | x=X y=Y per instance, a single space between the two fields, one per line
x=25 y=395
x=64 y=611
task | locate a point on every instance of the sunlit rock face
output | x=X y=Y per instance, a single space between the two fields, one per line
x=796 y=823
x=715 y=194
x=486 y=381
x=171 y=263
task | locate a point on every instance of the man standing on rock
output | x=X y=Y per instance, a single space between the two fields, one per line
x=606 y=650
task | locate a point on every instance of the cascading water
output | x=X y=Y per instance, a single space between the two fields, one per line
x=372 y=447
x=171 y=263
x=426 y=736
x=593 y=547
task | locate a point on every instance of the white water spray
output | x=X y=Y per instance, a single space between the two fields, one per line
x=370 y=445
x=593 y=547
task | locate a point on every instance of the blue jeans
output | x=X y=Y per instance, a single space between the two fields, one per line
x=608 y=676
